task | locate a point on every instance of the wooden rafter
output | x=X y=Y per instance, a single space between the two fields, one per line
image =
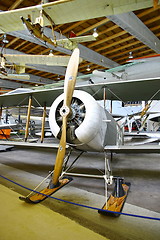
x=104 y=21
x=32 y=49
x=72 y=26
x=15 y=4
x=20 y=44
x=12 y=42
x=107 y=39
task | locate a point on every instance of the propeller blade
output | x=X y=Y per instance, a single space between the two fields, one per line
x=61 y=152
x=70 y=77
x=69 y=84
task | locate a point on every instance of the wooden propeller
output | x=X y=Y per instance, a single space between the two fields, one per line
x=69 y=84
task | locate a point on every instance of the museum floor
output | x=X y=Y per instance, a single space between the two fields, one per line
x=57 y=220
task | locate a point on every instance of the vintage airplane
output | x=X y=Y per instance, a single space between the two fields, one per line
x=130 y=71
x=65 y=11
x=37 y=31
x=81 y=123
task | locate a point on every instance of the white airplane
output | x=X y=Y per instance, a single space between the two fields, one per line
x=81 y=123
x=130 y=71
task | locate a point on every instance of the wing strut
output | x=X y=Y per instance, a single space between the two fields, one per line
x=43 y=122
x=28 y=118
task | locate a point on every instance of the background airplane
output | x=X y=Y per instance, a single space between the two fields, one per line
x=140 y=68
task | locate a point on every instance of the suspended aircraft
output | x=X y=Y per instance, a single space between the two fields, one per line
x=82 y=124
x=65 y=11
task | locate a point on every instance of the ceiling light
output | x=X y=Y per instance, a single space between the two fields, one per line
x=95 y=33
x=130 y=55
x=50 y=53
x=5 y=41
x=88 y=68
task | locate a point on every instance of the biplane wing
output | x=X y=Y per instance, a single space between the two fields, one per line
x=66 y=11
x=131 y=90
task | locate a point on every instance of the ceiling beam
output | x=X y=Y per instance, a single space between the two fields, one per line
x=132 y=24
x=86 y=53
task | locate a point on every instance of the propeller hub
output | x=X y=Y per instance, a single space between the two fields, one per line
x=64 y=111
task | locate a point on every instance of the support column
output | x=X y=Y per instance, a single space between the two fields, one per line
x=19 y=115
x=104 y=97
x=43 y=122
x=1 y=113
x=111 y=107
x=28 y=118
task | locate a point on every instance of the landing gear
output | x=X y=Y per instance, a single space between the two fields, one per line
x=37 y=197
x=46 y=192
x=115 y=202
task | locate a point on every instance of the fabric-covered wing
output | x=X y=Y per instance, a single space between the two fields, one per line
x=38 y=59
x=135 y=90
x=131 y=90
x=66 y=11
x=39 y=98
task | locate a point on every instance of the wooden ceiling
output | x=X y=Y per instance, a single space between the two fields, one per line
x=113 y=42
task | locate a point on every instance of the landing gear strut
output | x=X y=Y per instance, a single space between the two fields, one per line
x=115 y=202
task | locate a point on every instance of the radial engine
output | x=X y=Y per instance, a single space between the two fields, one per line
x=89 y=126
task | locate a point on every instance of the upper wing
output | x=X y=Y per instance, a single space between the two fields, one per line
x=38 y=59
x=65 y=11
x=131 y=90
